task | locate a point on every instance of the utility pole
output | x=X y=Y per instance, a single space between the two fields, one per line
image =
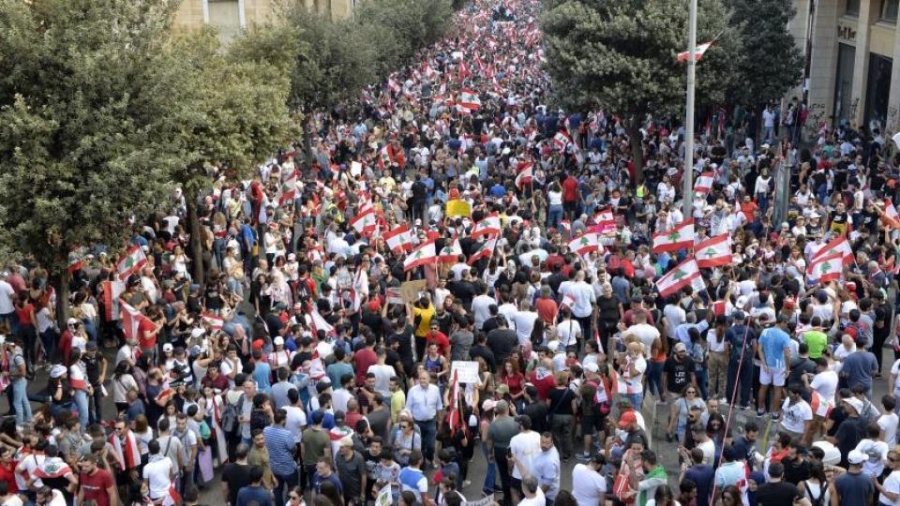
x=688 y=178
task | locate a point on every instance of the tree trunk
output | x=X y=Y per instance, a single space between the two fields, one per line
x=308 y=132
x=637 y=150
x=61 y=283
x=196 y=240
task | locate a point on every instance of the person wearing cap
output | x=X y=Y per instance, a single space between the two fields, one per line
x=852 y=429
x=853 y=487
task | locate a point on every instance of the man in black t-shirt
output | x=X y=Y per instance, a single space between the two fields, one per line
x=776 y=492
x=679 y=369
x=236 y=475
x=502 y=341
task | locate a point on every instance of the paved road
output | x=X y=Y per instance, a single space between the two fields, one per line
x=212 y=494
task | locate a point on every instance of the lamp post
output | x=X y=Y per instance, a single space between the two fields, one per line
x=688 y=179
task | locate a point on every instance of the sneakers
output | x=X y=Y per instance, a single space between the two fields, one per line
x=584 y=456
x=760 y=413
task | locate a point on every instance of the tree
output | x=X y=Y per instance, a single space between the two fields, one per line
x=620 y=56
x=762 y=27
x=229 y=110
x=82 y=114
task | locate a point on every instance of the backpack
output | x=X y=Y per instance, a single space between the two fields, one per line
x=230 y=415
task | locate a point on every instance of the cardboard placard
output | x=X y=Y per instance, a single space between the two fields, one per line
x=467 y=371
x=410 y=290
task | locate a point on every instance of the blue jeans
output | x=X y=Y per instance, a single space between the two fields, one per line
x=428 y=431
x=84 y=408
x=286 y=483
x=654 y=378
x=490 y=479
x=20 y=401
x=636 y=400
x=702 y=376
x=554 y=215
x=746 y=380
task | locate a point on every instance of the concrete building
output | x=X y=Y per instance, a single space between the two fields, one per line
x=852 y=49
x=232 y=16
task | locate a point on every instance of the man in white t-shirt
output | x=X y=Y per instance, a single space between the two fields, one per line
x=523 y=447
x=158 y=472
x=648 y=334
x=888 y=421
x=588 y=485
x=797 y=412
x=7 y=294
x=824 y=382
x=534 y=496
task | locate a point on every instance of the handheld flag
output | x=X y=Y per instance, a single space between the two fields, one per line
x=131 y=263
x=686 y=273
x=399 y=239
x=423 y=255
x=585 y=244
x=680 y=237
x=714 y=251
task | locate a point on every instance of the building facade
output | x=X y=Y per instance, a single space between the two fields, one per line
x=852 y=50
x=232 y=16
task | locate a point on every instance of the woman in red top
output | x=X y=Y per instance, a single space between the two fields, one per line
x=27 y=327
x=514 y=379
x=8 y=470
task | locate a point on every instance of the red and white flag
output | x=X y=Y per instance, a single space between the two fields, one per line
x=585 y=244
x=565 y=225
x=820 y=405
x=454 y=415
x=714 y=251
x=485 y=251
x=450 y=253
x=131 y=320
x=384 y=158
x=627 y=386
x=605 y=220
x=75 y=264
x=365 y=223
x=132 y=262
x=704 y=183
x=568 y=301
x=423 y=255
x=890 y=217
x=490 y=225
x=212 y=321
x=128 y=450
x=686 y=273
x=561 y=140
x=840 y=245
x=680 y=237
x=698 y=52
x=77 y=379
x=827 y=267
x=468 y=99
x=399 y=239
x=524 y=174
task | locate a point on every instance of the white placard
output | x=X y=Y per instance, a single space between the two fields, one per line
x=355 y=169
x=467 y=370
x=384 y=496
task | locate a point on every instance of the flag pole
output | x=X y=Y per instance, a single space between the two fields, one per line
x=688 y=178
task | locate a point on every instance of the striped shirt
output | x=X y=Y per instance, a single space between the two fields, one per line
x=280 y=443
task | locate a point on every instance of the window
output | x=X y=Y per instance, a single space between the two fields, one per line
x=852 y=8
x=225 y=15
x=889 y=10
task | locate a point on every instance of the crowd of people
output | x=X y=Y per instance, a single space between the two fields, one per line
x=460 y=275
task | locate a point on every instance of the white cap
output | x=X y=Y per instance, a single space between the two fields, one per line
x=167 y=347
x=856 y=457
x=72 y=321
x=57 y=371
x=279 y=341
x=592 y=367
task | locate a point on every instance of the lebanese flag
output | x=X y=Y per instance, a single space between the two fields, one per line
x=423 y=255
x=681 y=276
x=840 y=245
x=827 y=268
x=585 y=244
x=485 y=251
x=561 y=140
x=287 y=198
x=568 y=301
x=704 y=183
x=365 y=223
x=605 y=220
x=131 y=262
x=173 y=498
x=399 y=239
x=698 y=52
x=131 y=319
x=165 y=394
x=384 y=158
x=454 y=417
x=52 y=468
x=429 y=72
x=317 y=322
x=820 y=406
x=889 y=216
x=524 y=174
x=128 y=450
x=464 y=72
x=450 y=253
x=77 y=380
x=714 y=251
x=214 y=322
x=626 y=386
x=75 y=264
x=490 y=225
x=565 y=225
x=468 y=99
x=680 y=237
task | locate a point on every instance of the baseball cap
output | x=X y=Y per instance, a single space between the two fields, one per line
x=855 y=404
x=680 y=347
x=168 y=347
x=488 y=405
x=627 y=419
x=592 y=367
x=856 y=457
x=279 y=341
x=57 y=371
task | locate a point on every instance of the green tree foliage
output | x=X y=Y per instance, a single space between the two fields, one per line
x=81 y=119
x=228 y=109
x=620 y=56
x=762 y=28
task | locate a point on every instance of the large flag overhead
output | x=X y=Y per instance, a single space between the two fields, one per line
x=561 y=140
x=423 y=255
x=704 y=183
x=840 y=245
x=686 y=273
x=468 y=99
x=131 y=262
x=698 y=52
x=827 y=267
x=680 y=237
x=714 y=251
x=585 y=244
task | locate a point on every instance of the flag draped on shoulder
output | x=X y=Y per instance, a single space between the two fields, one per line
x=684 y=274
x=423 y=255
x=679 y=237
x=131 y=262
x=524 y=174
x=714 y=251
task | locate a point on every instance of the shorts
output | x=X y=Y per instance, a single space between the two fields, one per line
x=775 y=376
x=591 y=423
